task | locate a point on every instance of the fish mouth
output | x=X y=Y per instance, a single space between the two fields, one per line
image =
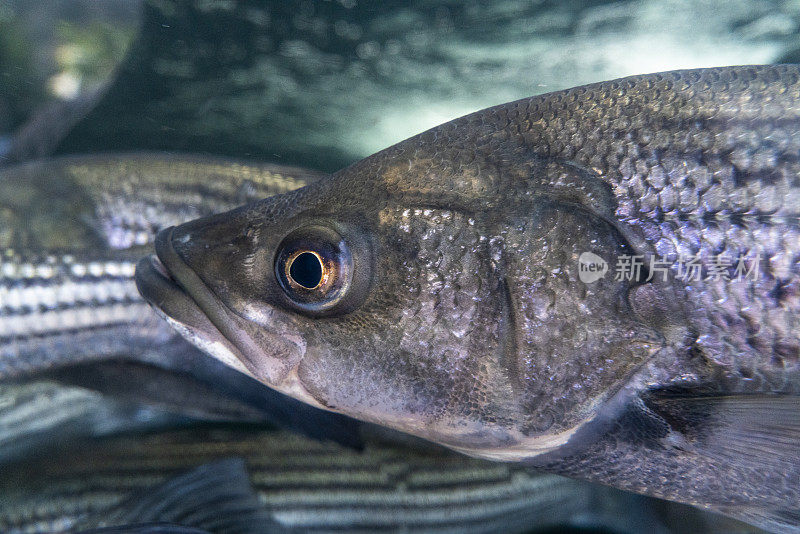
x=179 y=295
x=162 y=291
x=173 y=289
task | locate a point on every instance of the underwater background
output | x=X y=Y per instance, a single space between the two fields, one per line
x=323 y=83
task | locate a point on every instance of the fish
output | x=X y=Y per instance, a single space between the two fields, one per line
x=71 y=230
x=37 y=417
x=307 y=485
x=471 y=286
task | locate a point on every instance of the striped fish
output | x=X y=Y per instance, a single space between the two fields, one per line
x=312 y=486
x=69 y=231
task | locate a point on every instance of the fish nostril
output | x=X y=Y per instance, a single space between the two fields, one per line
x=306 y=270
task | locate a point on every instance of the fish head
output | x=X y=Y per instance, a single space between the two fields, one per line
x=449 y=313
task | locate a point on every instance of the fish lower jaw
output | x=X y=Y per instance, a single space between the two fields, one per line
x=216 y=349
x=290 y=385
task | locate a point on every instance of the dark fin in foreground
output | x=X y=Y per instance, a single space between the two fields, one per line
x=756 y=434
x=215 y=497
x=175 y=391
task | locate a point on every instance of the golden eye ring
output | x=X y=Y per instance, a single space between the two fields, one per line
x=320 y=272
x=306 y=270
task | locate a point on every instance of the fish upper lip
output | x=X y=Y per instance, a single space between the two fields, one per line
x=169 y=284
x=160 y=289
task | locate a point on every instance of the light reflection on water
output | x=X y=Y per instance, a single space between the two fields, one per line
x=325 y=83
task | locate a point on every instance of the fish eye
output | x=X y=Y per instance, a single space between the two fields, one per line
x=305 y=269
x=316 y=269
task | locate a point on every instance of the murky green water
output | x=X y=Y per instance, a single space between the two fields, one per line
x=322 y=83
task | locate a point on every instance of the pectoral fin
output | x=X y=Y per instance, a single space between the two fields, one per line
x=751 y=438
x=762 y=430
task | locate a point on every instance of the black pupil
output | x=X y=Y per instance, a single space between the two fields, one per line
x=306 y=270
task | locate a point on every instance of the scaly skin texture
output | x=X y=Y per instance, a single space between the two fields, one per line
x=699 y=163
x=474 y=329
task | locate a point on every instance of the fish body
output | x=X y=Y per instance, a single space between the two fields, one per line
x=309 y=486
x=436 y=287
x=69 y=312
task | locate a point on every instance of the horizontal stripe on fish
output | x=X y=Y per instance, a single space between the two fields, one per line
x=66 y=294
x=120 y=200
x=65 y=308
x=31 y=414
x=305 y=484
